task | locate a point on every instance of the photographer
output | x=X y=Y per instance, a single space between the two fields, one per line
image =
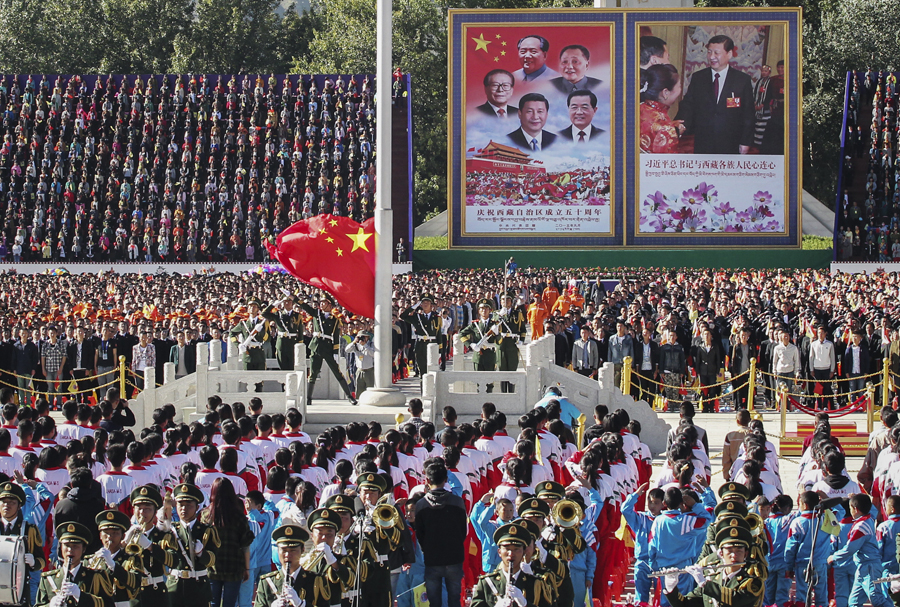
x=364 y=352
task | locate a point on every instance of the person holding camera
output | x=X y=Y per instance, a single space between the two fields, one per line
x=364 y=351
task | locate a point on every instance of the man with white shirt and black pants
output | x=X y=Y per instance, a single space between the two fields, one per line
x=822 y=362
x=785 y=357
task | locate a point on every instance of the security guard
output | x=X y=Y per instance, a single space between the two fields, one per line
x=512 y=331
x=197 y=543
x=379 y=538
x=289 y=328
x=158 y=548
x=12 y=498
x=427 y=325
x=88 y=587
x=333 y=576
x=271 y=592
x=250 y=334
x=324 y=344
x=483 y=331
x=121 y=562
x=526 y=589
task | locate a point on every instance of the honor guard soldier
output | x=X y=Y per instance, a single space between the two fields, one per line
x=289 y=330
x=325 y=343
x=736 y=493
x=197 y=542
x=122 y=562
x=512 y=331
x=541 y=563
x=158 y=549
x=74 y=584
x=549 y=545
x=481 y=336
x=12 y=498
x=251 y=333
x=509 y=585
x=380 y=535
x=346 y=545
x=427 y=325
x=271 y=591
x=330 y=568
x=730 y=586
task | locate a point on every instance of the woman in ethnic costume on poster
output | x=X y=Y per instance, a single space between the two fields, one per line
x=660 y=88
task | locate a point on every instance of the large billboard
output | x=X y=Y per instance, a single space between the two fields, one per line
x=602 y=128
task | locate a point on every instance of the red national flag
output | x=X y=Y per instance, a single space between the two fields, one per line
x=471 y=150
x=335 y=254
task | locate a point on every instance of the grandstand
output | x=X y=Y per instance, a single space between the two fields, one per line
x=187 y=168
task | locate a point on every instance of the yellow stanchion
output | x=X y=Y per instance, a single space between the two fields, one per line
x=870 y=407
x=751 y=390
x=122 y=391
x=626 y=375
x=582 y=422
x=885 y=382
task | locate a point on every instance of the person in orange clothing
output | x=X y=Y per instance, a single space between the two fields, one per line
x=571 y=297
x=551 y=293
x=538 y=312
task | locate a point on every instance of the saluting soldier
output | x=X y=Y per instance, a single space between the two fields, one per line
x=121 y=562
x=250 y=334
x=427 y=325
x=158 y=548
x=197 y=543
x=331 y=571
x=12 y=498
x=74 y=584
x=325 y=343
x=378 y=540
x=289 y=328
x=482 y=331
x=302 y=586
x=512 y=331
x=732 y=586
x=526 y=590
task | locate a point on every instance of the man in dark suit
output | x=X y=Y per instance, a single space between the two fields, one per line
x=533 y=111
x=82 y=356
x=718 y=107
x=707 y=364
x=582 y=107
x=646 y=363
x=498 y=88
x=574 y=61
x=856 y=363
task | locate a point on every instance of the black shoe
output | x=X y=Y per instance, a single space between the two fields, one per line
x=353 y=401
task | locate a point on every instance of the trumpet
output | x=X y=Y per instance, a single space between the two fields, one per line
x=674 y=570
x=384 y=516
x=566 y=514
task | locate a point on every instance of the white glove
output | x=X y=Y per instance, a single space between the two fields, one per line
x=504 y=602
x=70 y=589
x=516 y=595
x=327 y=554
x=526 y=567
x=198 y=547
x=696 y=572
x=278 y=603
x=164 y=525
x=106 y=555
x=670 y=581
x=496 y=328
x=143 y=541
x=895 y=586
x=369 y=528
x=542 y=552
x=292 y=596
x=29 y=559
x=57 y=601
x=548 y=534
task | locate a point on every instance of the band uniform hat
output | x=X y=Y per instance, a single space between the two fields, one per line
x=290 y=535
x=730 y=491
x=323 y=517
x=731 y=521
x=551 y=489
x=340 y=503
x=427 y=297
x=730 y=507
x=326 y=297
x=371 y=480
x=532 y=527
x=484 y=301
x=113 y=519
x=734 y=536
x=73 y=532
x=146 y=494
x=186 y=491
x=512 y=534
x=10 y=489
x=534 y=506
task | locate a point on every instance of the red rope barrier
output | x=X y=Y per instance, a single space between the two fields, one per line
x=857 y=405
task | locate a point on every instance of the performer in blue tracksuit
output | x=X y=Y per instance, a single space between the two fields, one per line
x=862 y=547
x=778 y=584
x=886 y=534
x=584 y=564
x=484 y=525
x=640 y=524
x=799 y=546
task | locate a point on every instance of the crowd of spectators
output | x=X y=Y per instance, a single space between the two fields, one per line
x=177 y=168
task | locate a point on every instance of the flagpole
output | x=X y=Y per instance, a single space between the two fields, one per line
x=384 y=394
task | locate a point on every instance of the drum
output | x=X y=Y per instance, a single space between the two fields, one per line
x=12 y=569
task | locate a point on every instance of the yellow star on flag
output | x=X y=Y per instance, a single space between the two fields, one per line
x=496 y=58
x=359 y=240
x=332 y=223
x=329 y=239
x=503 y=43
x=481 y=43
x=497 y=36
x=340 y=253
x=503 y=53
x=322 y=231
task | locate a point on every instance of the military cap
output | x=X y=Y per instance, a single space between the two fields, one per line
x=485 y=302
x=534 y=506
x=551 y=489
x=290 y=535
x=731 y=520
x=507 y=295
x=428 y=298
x=371 y=480
x=9 y=489
x=254 y=301
x=112 y=519
x=326 y=297
x=73 y=532
x=146 y=494
x=730 y=491
x=340 y=503
x=512 y=534
x=323 y=517
x=186 y=491
x=730 y=507
x=532 y=527
x=734 y=536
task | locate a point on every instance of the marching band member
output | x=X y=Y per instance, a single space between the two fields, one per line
x=197 y=543
x=271 y=591
x=74 y=584
x=509 y=584
x=121 y=561
x=12 y=498
x=158 y=550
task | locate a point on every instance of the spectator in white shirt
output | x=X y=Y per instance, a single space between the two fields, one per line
x=822 y=359
x=786 y=357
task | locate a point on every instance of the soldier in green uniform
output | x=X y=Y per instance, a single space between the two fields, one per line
x=250 y=334
x=732 y=586
x=426 y=322
x=512 y=331
x=379 y=538
x=197 y=543
x=271 y=591
x=289 y=329
x=344 y=548
x=526 y=590
x=74 y=584
x=324 y=344
x=121 y=562
x=330 y=568
x=735 y=493
x=538 y=511
x=481 y=335
x=12 y=498
x=541 y=563
x=158 y=548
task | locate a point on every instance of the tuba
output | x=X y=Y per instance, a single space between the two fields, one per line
x=566 y=514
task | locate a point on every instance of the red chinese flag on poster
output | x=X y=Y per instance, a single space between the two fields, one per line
x=335 y=254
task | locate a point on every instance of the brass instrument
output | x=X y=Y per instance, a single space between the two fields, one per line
x=384 y=516
x=566 y=514
x=756 y=523
x=713 y=567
